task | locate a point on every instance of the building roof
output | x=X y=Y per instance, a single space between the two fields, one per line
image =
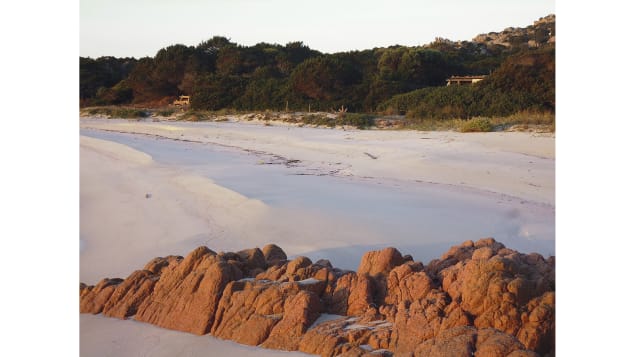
x=466 y=77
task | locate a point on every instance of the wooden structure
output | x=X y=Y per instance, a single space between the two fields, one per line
x=182 y=100
x=463 y=80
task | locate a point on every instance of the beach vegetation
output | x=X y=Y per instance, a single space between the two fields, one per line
x=115 y=112
x=476 y=125
x=407 y=81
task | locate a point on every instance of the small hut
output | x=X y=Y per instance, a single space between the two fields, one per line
x=464 y=80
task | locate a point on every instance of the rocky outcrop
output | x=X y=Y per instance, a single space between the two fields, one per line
x=479 y=299
x=273 y=254
x=541 y=32
x=380 y=262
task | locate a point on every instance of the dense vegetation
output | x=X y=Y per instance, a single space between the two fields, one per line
x=524 y=82
x=220 y=74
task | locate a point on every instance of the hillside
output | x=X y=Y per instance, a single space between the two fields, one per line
x=220 y=74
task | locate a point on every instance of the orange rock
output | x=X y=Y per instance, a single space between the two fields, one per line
x=407 y=283
x=93 y=298
x=497 y=290
x=352 y=295
x=296 y=264
x=248 y=311
x=458 y=342
x=185 y=297
x=157 y=265
x=380 y=261
x=131 y=293
x=322 y=340
x=423 y=319
x=253 y=258
x=491 y=342
x=300 y=311
x=479 y=299
x=273 y=254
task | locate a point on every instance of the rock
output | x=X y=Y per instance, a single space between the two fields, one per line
x=274 y=272
x=407 y=282
x=130 y=294
x=340 y=336
x=273 y=254
x=478 y=299
x=157 y=265
x=489 y=242
x=538 y=330
x=94 y=298
x=300 y=311
x=324 y=263
x=522 y=353
x=491 y=342
x=482 y=253
x=248 y=311
x=380 y=261
x=352 y=295
x=253 y=258
x=423 y=319
x=324 y=341
x=185 y=297
x=227 y=256
x=275 y=315
x=497 y=291
x=458 y=342
x=296 y=264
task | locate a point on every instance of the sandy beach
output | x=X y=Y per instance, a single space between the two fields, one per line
x=152 y=189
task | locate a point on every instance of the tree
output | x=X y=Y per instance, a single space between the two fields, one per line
x=102 y=72
x=324 y=78
x=214 y=92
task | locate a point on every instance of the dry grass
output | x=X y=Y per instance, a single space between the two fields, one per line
x=523 y=121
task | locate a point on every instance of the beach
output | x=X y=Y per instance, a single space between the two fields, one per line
x=157 y=188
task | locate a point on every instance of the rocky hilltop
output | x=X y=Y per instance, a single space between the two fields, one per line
x=538 y=35
x=478 y=299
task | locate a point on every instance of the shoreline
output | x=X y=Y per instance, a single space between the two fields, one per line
x=436 y=157
x=139 y=201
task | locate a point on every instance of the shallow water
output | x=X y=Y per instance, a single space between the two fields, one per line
x=421 y=219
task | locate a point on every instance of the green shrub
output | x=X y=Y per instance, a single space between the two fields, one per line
x=476 y=125
x=360 y=121
x=119 y=112
x=319 y=120
x=165 y=112
x=195 y=115
x=128 y=113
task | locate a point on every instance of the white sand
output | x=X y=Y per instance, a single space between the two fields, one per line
x=102 y=337
x=517 y=164
x=134 y=208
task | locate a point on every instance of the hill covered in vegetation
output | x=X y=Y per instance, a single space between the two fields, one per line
x=219 y=74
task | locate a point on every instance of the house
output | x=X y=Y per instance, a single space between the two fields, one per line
x=464 y=80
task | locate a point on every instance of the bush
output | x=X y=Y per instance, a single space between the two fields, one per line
x=360 y=121
x=196 y=115
x=165 y=112
x=119 y=112
x=476 y=125
x=319 y=120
